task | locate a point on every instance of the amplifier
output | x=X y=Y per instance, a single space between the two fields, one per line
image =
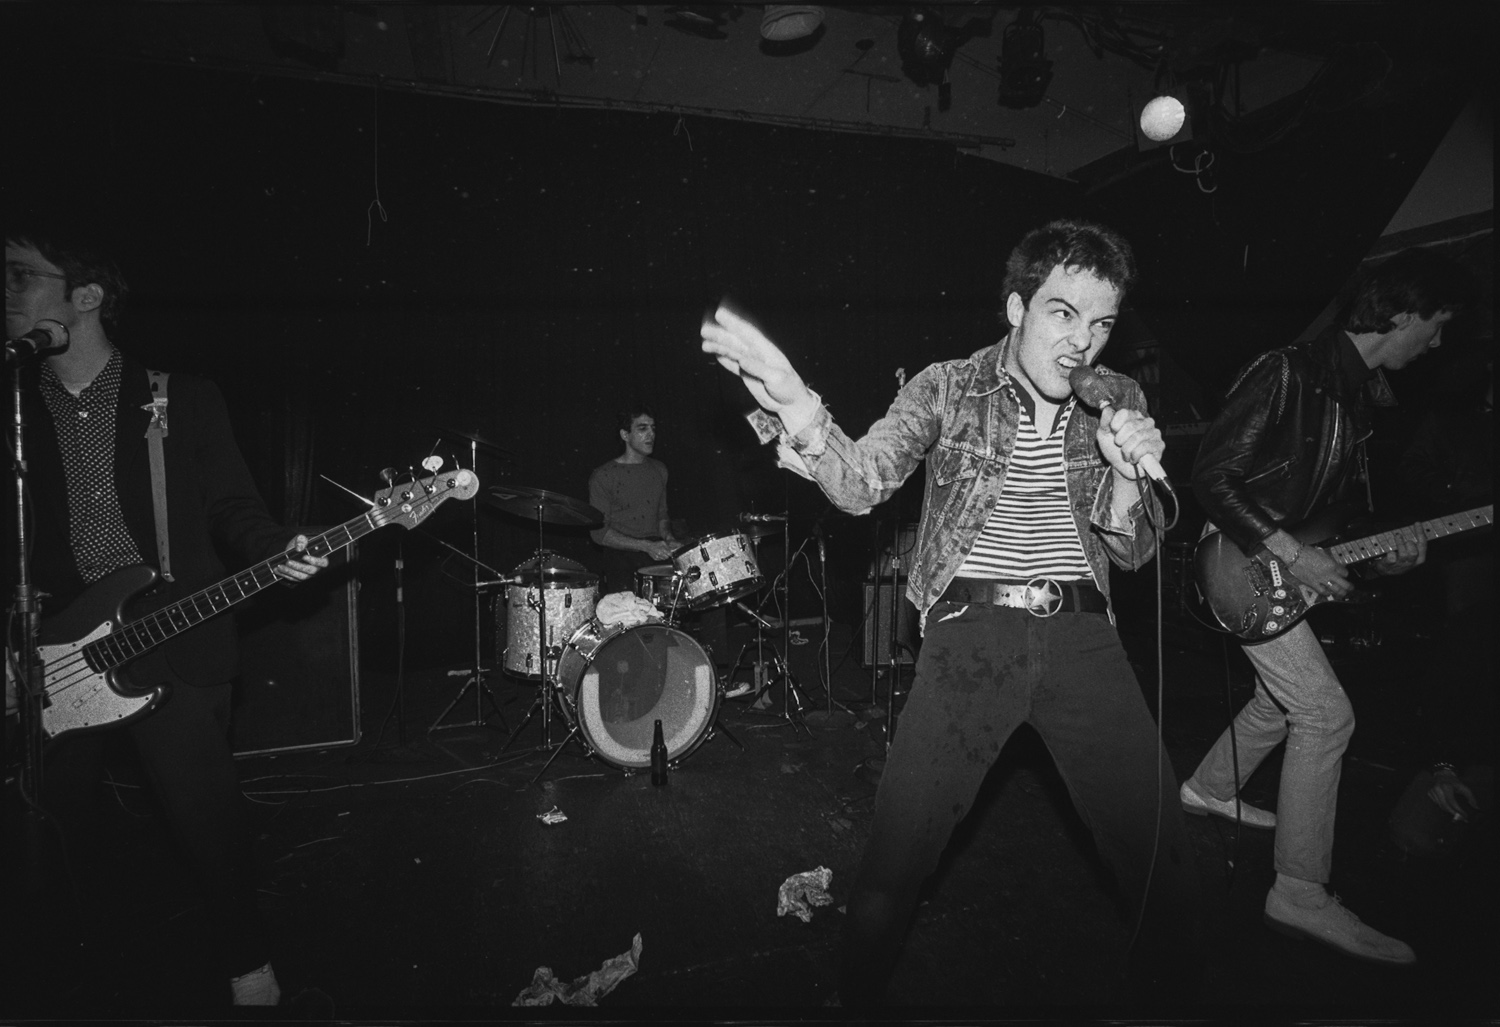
x=298 y=686
x=879 y=603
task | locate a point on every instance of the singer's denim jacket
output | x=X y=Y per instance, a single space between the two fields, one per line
x=959 y=416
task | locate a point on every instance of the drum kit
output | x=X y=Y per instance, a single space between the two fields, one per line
x=610 y=683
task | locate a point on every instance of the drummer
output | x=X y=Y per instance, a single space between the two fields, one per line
x=631 y=492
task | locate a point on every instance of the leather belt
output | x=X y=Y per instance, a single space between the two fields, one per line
x=1040 y=597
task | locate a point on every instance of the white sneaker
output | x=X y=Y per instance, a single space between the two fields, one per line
x=1201 y=805
x=256 y=988
x=1334 y=926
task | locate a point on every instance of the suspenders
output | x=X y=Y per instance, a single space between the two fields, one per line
x=155 y=432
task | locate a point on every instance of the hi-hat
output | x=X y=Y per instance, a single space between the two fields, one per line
x=539 y=504
x=759 y=531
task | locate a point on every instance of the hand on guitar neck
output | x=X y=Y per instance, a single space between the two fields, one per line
x=1261 y=596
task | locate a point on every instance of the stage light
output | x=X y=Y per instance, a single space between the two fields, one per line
x=1163 y=118
x=790 y=21
x=1025 y=71
x=926 y=47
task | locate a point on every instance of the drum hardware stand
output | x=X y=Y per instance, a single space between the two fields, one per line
x=477 y=674
x=792 y=704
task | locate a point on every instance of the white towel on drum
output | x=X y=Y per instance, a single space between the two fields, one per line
x=625 y=608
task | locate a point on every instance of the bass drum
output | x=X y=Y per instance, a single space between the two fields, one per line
x=623 y=680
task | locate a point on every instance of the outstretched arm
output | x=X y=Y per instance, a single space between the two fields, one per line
x=743 y=350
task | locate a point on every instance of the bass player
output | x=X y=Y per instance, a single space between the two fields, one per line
x=88 y=409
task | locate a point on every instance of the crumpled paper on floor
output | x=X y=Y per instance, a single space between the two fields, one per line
x=625 y=608
x=800 y=892
x=583 y=991
x=553 y=816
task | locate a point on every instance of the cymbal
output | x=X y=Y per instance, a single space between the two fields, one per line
x=551 y=577
x=533 y=503
x=755 y=531
x=547 y=560
x=481 y=444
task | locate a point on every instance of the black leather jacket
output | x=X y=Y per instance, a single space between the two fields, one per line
x=1288 y=443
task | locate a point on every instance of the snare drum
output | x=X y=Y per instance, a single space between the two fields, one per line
x=623 y=680
x=717 y=569
x=660 y=586
x=570 y=597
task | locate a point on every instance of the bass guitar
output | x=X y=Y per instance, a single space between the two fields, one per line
x=1256 y=598
x=84 y=650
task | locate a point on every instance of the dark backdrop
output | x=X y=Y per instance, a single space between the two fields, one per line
x=525 y=272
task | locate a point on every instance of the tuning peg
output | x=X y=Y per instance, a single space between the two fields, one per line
x=433 y=464
x=388 y=475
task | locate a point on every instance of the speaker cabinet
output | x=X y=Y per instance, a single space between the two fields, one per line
x=879 y=603
x=299 y=666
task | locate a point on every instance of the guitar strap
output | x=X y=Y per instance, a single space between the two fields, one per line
x=155 y=432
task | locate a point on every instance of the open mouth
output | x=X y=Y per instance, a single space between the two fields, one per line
x=1068 y=363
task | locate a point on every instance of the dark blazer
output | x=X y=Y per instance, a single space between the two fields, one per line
x=211 y=499
x=1288 y=443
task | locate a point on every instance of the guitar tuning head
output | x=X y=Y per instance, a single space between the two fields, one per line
x=432 y=464
x=388 y=475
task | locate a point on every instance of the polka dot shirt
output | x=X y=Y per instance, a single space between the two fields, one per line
x=86 y=435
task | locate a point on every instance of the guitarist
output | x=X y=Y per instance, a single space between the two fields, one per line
x=1287 y=446
x=87 y=415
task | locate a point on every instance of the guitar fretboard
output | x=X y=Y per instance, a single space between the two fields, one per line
x=132 y=639
x=1379 y=545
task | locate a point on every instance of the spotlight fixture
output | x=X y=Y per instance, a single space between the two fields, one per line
x=1025 y=71
x=926 y=47
x=1163 y=118
x=703 y=20
x=783 y=22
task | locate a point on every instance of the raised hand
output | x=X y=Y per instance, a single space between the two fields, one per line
x=744 y=351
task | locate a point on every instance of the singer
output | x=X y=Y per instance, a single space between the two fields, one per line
x=1029 y=497
x=1288 y=445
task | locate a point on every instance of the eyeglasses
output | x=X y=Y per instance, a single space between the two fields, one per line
x=18 y=276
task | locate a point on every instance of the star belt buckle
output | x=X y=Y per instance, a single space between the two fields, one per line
x=1045 y=597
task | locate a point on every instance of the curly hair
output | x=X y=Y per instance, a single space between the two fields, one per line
x=1071 y=244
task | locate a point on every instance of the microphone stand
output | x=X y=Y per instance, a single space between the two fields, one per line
x=30 y=678
x=827 y=717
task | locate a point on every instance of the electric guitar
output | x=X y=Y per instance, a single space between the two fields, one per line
x=1258 y=598
x=85 y=648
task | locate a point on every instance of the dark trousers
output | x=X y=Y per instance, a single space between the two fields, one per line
x=982 y=672
x=184 y=749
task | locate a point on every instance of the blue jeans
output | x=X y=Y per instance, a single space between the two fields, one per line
x=1297 y=699
x=982 y=672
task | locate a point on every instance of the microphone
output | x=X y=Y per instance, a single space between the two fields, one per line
x=1098 y=391
x=761 y=518
x=47 y=337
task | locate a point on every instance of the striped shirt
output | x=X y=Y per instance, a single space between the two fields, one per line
x=1030 y=532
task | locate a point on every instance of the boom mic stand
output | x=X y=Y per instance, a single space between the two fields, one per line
x=792 y=703
x=828 y=717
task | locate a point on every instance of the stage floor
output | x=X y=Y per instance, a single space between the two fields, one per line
x=418 y=880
